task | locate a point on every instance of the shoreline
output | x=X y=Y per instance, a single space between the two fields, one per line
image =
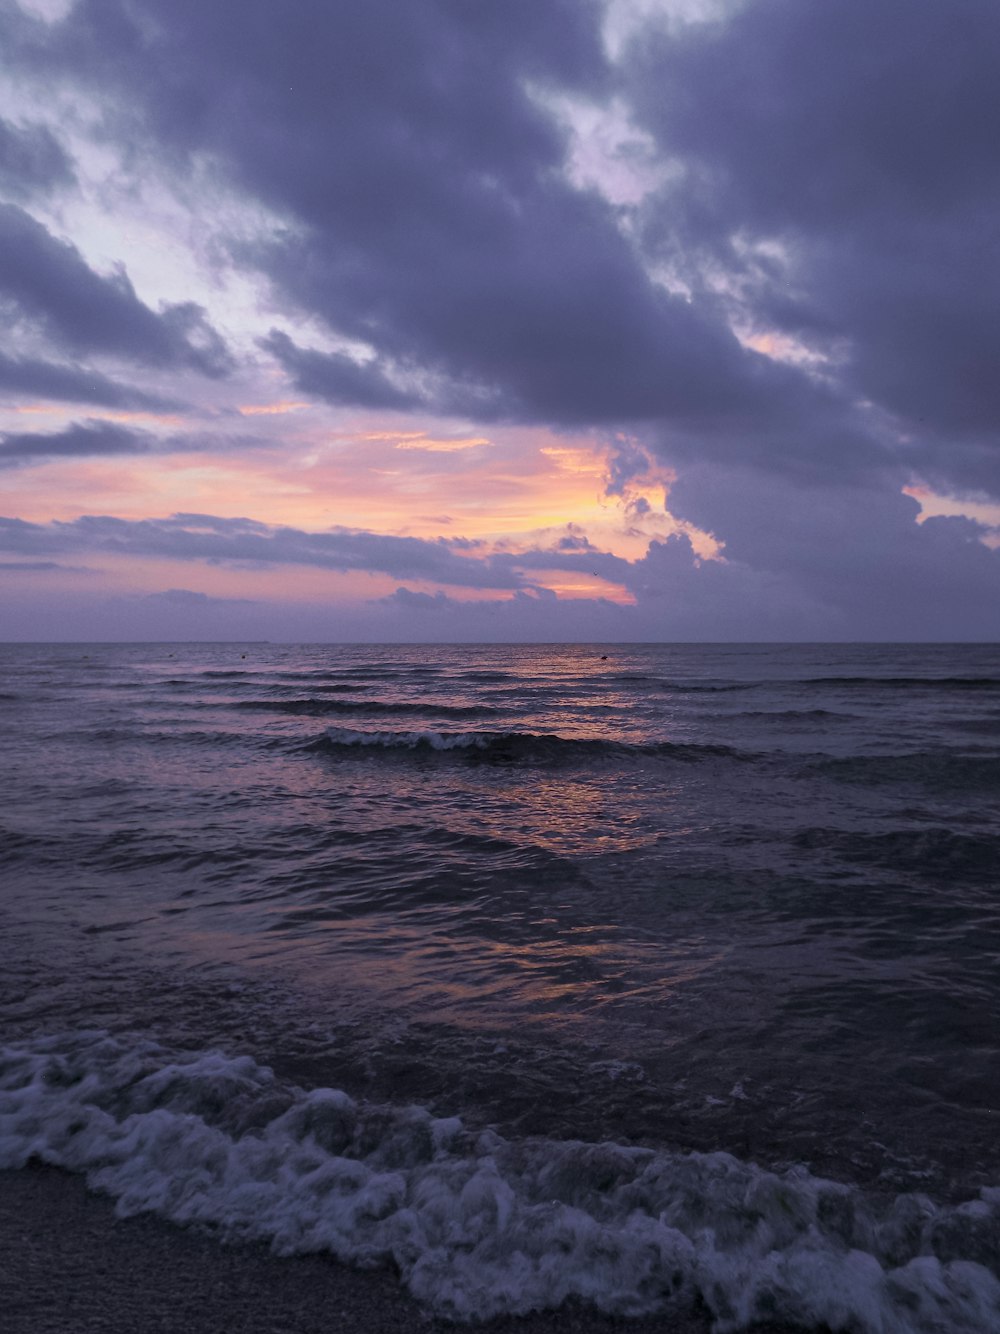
x=73 y=1267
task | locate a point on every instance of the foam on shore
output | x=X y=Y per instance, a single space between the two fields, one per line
x=478 y=1225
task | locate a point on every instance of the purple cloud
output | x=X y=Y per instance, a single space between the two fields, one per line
x=48 y=283
x=79 y=440
x=32 y=161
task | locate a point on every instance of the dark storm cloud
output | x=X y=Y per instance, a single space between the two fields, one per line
x=47 y=282
x=31 y=159
x=862 y=136
x=336 y=377
x=852 y=559
x=79 y=440
x=429 y=215
x=73 y=384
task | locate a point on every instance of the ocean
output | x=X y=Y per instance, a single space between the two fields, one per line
x=659 y=977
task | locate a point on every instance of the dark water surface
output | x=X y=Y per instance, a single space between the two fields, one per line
x=647 y=974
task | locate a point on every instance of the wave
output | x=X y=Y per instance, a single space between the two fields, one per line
x=127 y=736
x=663 y=683
x=511 y=747
x=794 y=715
x=940 y=770
x=312 y=707
x=478 y=1225
x=982 y=725
x=490 y=677
x=15 y=845
x=703 y=688
x=931 y=851
x=908 y=682
x=982 y=683
x=322 y=679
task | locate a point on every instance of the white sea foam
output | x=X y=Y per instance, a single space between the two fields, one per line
x=478 y=1225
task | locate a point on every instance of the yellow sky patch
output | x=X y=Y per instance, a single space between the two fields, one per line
x=528 y=491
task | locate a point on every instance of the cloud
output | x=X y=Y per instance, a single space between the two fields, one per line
x=421 y=602
x=73 y=384
x=829 y=196
x=794 y=307
x=32 y=161
x=429 y=216
x=209 y=538
x=838 y=180
x=854 y=557
x=428 y=444
x=95 y=437
x=337 y=378
x=79 y=440
x=41 y=566
x=453 y=562
x=190 y=600
x=269 y=409
x=46 y=282
x=796 y=578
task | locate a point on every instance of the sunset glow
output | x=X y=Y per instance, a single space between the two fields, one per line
x=517 y=345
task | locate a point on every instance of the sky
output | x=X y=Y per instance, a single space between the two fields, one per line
x=499 y=320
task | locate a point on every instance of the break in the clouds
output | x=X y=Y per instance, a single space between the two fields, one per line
x=46 y=283
x=666 y=587
x=753 y=242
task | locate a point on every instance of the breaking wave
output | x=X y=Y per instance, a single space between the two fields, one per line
x=312 y=707
x=478 y=1225
x=509 y=747
x=908 y=682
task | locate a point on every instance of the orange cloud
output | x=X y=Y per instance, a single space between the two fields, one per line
x=436 y=446
x=105 y=414
x=528 y=491
x=580 y=461
x=416 y=440
x=933 y=505
x=269 y=409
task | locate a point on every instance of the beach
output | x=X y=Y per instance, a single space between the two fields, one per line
x=71 y=1265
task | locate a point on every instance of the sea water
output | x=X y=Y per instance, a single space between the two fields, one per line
x=657 y=976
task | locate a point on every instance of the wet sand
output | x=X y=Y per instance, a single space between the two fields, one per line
x=68 y=1265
